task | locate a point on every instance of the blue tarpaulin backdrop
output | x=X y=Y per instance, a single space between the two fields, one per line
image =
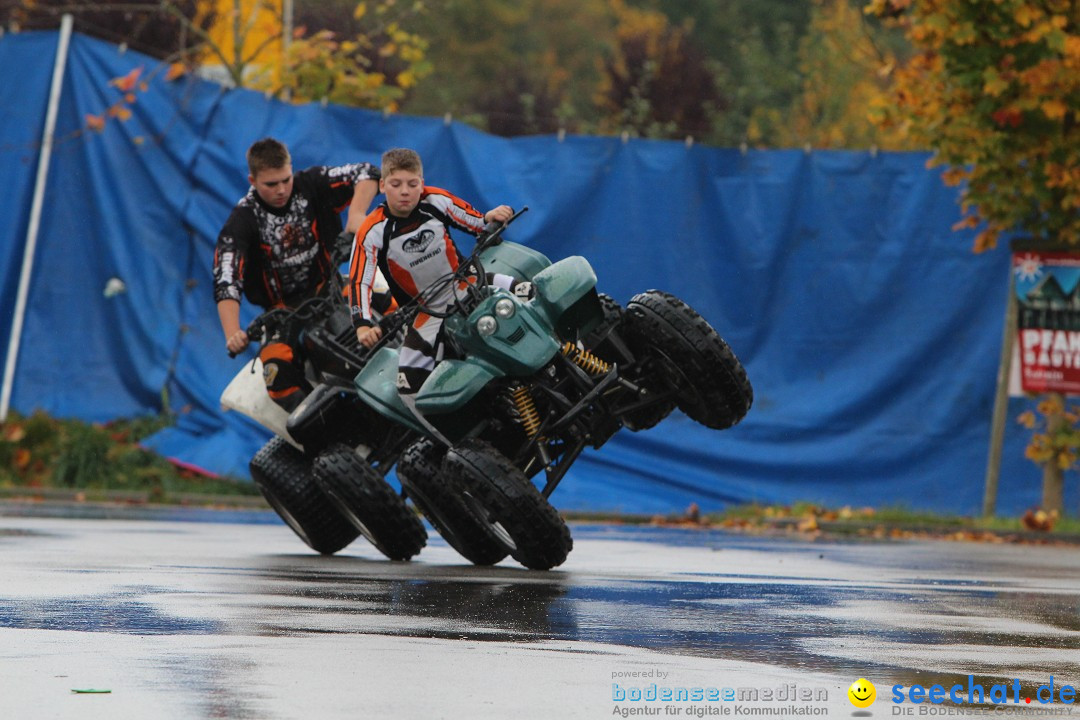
x=870 y=331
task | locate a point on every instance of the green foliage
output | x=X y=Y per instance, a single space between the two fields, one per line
x=753 y=54
x=994 y=89
x=844 y=60
x=41 y=452
x=772 y=73
x=513 y=68
x=656 y=83
x=374 y=65
x=81 y=458
x=161 y=29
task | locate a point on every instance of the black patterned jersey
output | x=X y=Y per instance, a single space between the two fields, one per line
x=281 y=256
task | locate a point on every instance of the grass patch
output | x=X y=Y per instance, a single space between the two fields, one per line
x=98 y=461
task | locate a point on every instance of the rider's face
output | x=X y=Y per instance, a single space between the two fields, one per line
x=274 y=185
x=402 y=189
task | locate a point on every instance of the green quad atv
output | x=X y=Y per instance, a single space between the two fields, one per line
x=324 y=470
x=531 y=384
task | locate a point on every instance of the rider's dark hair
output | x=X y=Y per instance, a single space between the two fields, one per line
x=267 y=154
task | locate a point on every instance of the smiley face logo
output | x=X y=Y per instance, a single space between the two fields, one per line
x=862 y=693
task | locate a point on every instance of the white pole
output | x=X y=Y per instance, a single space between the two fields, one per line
x=286 y=24
x=35 y=214
x=286 y=39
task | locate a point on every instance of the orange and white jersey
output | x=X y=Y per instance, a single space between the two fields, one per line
x=411 y=252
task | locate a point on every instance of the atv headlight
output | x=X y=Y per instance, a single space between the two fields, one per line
x=486 y=325
x=504 y=308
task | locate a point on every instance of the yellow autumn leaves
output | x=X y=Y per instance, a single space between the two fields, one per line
x=994 y=90
x=1056 y=437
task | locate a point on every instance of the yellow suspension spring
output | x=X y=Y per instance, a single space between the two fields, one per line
x=585 y=359
x=526 y=407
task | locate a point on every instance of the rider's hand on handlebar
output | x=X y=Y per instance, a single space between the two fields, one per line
x=237 y=342
x=499 y=214
x=368 y=335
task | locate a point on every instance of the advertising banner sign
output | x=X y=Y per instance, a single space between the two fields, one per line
x=1048 y=333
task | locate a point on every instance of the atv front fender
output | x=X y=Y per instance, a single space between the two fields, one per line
x=377 y=386
x=453 y=384
x=517 y=261
x=565 y=286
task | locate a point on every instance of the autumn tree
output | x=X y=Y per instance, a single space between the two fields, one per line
x=514 y=68
x=241 y=43
x=994 y=89
x=158 y=29
x=656 y=82
x=845 y=63
x=371 y=60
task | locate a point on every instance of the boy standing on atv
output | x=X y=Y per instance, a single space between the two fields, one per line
x=407 y=237
x=276 y=248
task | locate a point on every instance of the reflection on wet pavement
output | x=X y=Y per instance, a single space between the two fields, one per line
x=109 y=614
x=915 y=613
x=779 y=619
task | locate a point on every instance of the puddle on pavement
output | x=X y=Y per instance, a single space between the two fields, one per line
x=764 y=622
x=107 y=614
x=740 y=618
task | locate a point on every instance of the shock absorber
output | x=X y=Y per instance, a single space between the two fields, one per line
x=585 y=359
x=526 y=409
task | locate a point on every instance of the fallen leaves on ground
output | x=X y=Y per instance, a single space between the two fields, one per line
x=814 y=522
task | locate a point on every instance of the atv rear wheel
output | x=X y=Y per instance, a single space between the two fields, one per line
x=510 y=505
x=283 y=476
x=364 y=497
x=690 y=358
x=420 y=473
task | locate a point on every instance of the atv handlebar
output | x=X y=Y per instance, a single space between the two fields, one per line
x=492 y=232
x=342 y=247
x=266 y=323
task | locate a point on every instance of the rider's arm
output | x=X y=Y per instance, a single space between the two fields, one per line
x=454 y=211
x=354 y=186
x=363 y=194
x=229 y=315
x=363 y=266
x=228 y=281
x=362 y=272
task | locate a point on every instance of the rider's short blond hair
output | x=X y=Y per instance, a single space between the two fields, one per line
x=401 y=159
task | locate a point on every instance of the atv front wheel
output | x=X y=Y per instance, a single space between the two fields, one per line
x=688 y=357
x=606 y=341
x=510 y=505
x=420 y=473
x=362 y=495
x=283 y=476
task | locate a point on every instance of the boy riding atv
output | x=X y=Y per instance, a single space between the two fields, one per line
x=506 y=386
x=408 y=238
x=323 y=472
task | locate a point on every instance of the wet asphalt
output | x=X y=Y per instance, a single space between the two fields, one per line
x=201 y=614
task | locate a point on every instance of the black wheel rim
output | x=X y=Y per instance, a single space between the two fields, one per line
x=672 y=375
x=494 y=526
x=287 y=516
x=345 y=509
